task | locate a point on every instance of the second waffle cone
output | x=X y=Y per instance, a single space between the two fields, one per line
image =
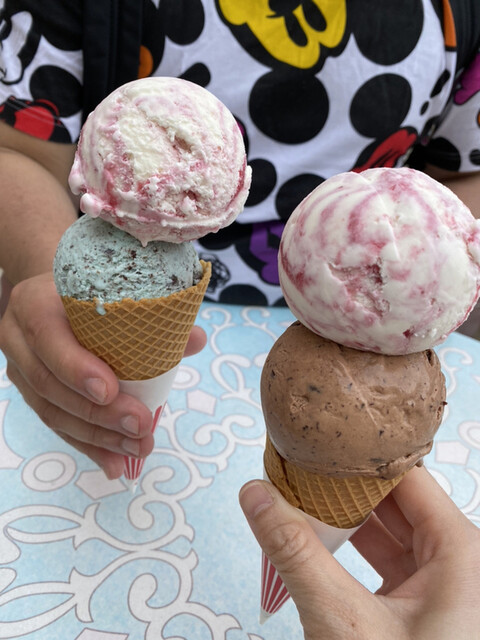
x=340 y=502
x=140 y=339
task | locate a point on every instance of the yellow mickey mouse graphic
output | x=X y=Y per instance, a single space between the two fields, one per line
x=295 y=32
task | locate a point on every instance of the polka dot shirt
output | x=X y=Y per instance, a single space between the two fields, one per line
x=317 y=87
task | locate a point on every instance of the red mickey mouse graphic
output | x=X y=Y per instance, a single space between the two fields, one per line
x=389 y=151
x=39 y=118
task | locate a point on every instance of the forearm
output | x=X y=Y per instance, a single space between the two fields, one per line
x=35 y=209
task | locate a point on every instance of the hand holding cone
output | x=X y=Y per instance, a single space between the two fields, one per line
x=343 y=427
x=160 y=162
x=140 y=340
x=337 y=506
x=363 y=261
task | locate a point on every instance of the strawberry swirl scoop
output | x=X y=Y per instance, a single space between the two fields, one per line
x=162 y=159
x=387 y=260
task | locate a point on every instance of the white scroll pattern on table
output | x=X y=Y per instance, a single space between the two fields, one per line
x=40 y=525
x=130 y=546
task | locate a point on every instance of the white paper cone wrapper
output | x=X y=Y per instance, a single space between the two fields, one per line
x=154 y=394
x=331 y=537
x=274 y=593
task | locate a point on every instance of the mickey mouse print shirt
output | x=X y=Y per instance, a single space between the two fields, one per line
x=317 y=86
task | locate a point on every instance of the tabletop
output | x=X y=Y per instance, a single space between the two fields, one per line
x=84 y=558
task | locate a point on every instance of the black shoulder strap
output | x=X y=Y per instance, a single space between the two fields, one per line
x=466 y=16
x=467 y=20
x=111 y=47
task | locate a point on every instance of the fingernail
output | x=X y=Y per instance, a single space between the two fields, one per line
x=130 y=424
x=131 y=446
x=254 y=498
x=97 y=388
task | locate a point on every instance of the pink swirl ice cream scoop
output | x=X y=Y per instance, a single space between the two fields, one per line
x=163 y=159
x=387 y=260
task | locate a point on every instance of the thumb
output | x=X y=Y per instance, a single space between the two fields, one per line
x=318 y=585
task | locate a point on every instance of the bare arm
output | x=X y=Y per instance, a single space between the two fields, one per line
x=73 y=392
x=35 y=207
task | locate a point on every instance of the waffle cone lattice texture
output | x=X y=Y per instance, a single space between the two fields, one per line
x=340 y=502
x=138 y=339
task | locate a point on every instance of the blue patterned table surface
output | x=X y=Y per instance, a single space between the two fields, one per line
x=81 y=558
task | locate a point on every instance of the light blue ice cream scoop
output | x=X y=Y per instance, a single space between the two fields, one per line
x=97 y=261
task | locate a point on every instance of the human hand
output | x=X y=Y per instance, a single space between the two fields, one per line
x=73 y=392
x=424 y=548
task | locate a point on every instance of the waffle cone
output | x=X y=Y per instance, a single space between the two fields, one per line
x=339 y=502
x=140 y=339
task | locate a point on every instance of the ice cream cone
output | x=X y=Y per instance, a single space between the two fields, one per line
x=335 y=507
x=139 y=340
x=339 y=502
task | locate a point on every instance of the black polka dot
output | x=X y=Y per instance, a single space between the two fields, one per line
x=424 y=107
x=289 y=107
x=184 y=21
x=264 y=178
x=440 y=83
x=380 y=105
x=389 y=36
x=418 y=157
x=243 y=294
x=292 y=192
x=474 y=157
x=198 y=73
x=429 y=128
x=280 y=302
x=227 y=236
x=444 y=154
x=49 y=81
x=220 y=272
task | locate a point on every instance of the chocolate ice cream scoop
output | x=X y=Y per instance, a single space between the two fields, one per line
x=337 y=411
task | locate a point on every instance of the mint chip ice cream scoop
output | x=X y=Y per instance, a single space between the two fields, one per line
x=97 y=261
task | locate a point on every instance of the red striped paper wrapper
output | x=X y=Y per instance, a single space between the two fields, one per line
x=154 y=394
x=274 y=594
